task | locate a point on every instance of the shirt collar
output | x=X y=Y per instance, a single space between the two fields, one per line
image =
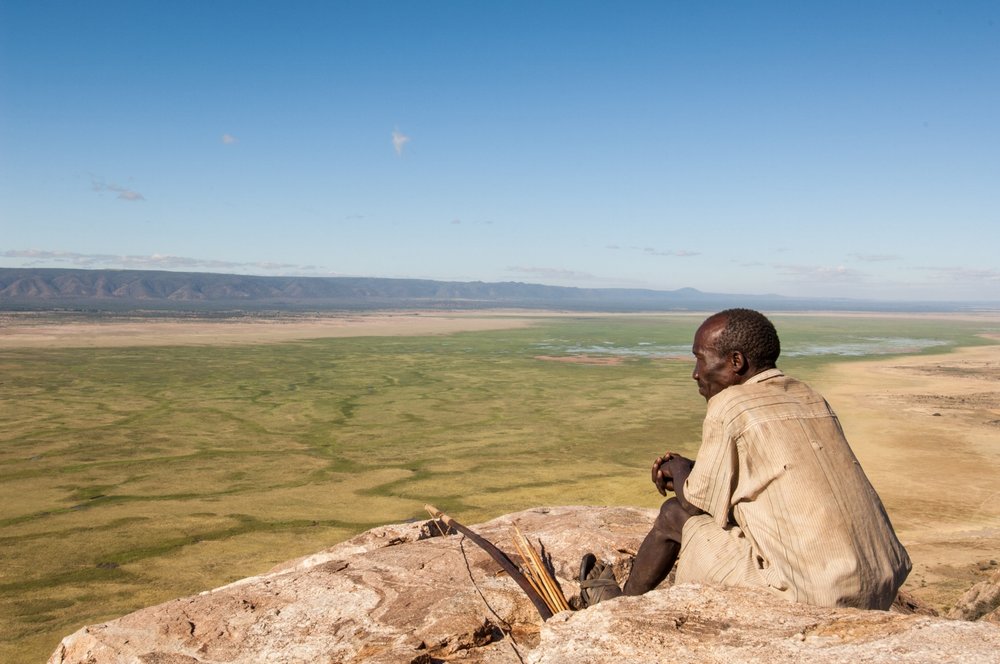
x=764 y=375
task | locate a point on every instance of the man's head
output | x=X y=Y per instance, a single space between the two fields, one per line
x=732 y=346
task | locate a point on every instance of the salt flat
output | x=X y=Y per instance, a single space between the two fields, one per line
x=75 y=331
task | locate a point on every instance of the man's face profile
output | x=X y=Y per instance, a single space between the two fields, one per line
x=712 y=370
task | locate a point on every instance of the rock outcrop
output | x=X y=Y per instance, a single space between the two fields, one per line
x=981 y=602
x=404 y=593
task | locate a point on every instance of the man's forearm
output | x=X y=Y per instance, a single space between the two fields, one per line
x=679 y=480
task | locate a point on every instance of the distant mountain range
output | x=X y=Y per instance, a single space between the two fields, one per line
x=117 y=290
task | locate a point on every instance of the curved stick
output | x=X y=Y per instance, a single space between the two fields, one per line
x=496 y=554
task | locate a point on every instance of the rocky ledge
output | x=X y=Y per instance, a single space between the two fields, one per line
x=405 y=593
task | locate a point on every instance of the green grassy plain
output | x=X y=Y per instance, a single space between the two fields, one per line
x=134 y=475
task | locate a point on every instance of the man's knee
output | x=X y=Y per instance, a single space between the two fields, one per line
x=670 y=521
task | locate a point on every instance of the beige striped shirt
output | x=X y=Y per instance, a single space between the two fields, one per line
x=792 y=509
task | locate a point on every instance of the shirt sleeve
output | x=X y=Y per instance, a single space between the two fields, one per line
x=712 y=481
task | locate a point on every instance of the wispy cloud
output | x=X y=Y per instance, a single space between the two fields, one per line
x=552 y=273
x=399 y=141
x=875 y=258
x=653 y=251
x=40 y=257
x=229 y=139
x=124 y=193
x=965 y=274
x=564 y=277
x=821 y=272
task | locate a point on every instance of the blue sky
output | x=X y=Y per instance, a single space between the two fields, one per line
x=800 y=148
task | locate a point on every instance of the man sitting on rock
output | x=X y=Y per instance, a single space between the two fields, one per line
x=777 y=499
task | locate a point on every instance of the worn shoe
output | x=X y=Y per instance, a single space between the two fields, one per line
x=597 y=581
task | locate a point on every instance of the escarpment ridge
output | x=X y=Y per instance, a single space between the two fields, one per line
x=117 y=290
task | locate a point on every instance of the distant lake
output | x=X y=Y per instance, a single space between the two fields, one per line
x=859 y=347
x=864 y=346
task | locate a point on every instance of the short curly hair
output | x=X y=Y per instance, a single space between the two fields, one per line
x=751 y=333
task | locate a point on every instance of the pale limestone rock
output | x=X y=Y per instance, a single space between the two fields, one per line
x=693 y=624
x=981 y=601
x=400 y=594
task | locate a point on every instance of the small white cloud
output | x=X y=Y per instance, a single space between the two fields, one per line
x=399 y=140
x=229 y=139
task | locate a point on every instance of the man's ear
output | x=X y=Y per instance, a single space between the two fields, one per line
x=738 y=361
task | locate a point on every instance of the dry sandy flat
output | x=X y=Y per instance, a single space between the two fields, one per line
x=70 y=331
x=927 y=432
